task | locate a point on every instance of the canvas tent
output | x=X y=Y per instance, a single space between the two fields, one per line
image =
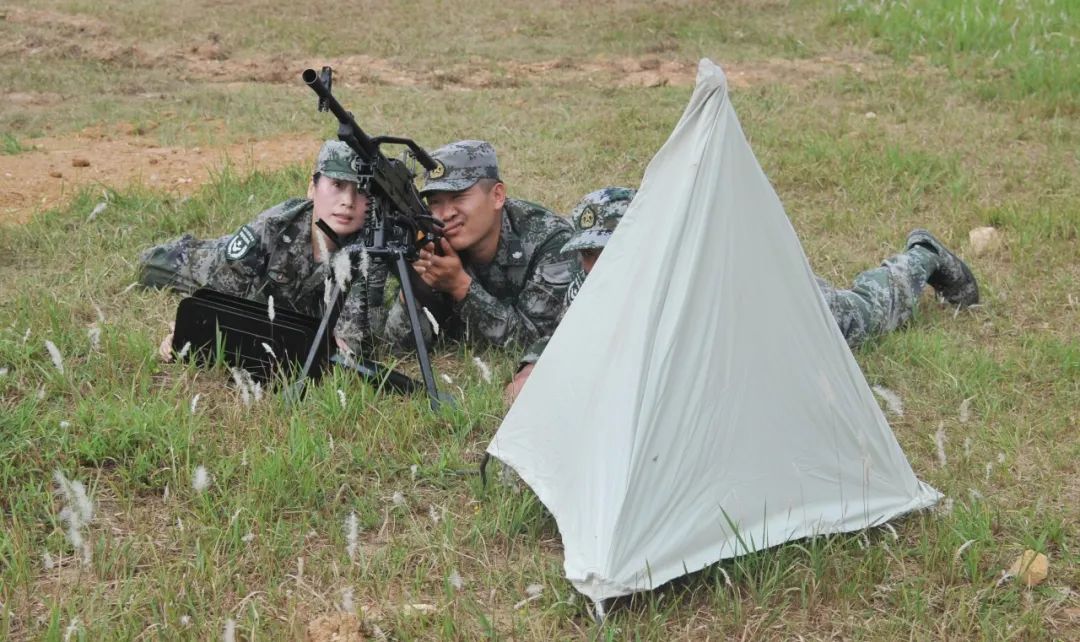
x=698 y=400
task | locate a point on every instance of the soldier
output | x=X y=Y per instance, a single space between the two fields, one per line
x=283 y=253
x=498 y=275
x=880 y=300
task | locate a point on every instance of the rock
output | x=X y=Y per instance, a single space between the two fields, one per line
x=56 y=174
x=79 y=162
x=984 y=240
x=1031 y=568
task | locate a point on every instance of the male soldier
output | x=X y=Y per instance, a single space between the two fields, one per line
x=498 y=275
x=284 y=253
x=880 y=300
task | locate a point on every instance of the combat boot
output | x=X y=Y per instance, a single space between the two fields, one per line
x=952 y=279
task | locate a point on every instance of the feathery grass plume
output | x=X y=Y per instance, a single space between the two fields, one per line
x=365 y=262
x=485 y=371
x=1001 y=458
x=892 y=400
x=347 y=601
x=230 y=631
x=534 y=592
x=200 y=480
x=431 y=320
x=727 y=578
x=455 y=580
x=195 y=402
x=434 y=513
x=342 y=269
x=960 y=551
x=65 y=424
x=47 y=561
x=243 y=383
x=989 y=470
x=248 y=537
x=975 y=496
x=328 y=291
x=129 y=288
x=77 y=513
x=98 y=209
x=257 y=390
x=398 y=498
x=98 y=312
x=179 y=524
x=447 y=379
x=965 y=410
x=352 y=535
x=270 y=308
x=413 y=470
x=165 y=495
x=967 y=447
x=93 y=332
x=184 y=349
x=72 y=628
x=54 y=352
x=270 y=351
x=185 y=621
x=26 y=335
x=41 y=392
x=939 y=441
x=3 y=371
x=341 y=398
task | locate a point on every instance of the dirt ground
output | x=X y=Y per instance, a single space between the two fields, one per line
x=54 y=169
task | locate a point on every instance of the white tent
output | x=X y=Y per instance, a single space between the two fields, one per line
x=698 y=401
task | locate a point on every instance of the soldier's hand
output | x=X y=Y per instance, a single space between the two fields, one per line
x=513 y=389
x=444 y=273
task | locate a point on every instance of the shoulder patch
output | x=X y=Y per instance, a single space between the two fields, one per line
x=240 y=244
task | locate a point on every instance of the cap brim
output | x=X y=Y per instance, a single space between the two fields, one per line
x=587 y=240
x=448 y=185
x=342 y=176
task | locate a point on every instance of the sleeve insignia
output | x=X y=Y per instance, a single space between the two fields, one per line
x=240 y=244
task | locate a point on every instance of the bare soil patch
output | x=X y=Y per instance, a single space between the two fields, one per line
x=57 y=168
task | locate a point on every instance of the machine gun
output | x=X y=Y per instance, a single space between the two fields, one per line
x=400 y=224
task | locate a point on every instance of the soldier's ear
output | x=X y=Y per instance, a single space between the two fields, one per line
x=498 y=194
x=311 y=188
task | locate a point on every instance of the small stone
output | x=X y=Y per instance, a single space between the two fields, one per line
x=870 y=115
x=1031 y=568
x=56 y=174
x=79 y=162
x=984 y=240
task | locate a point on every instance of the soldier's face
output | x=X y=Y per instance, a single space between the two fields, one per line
x=471 y=218
x=588 y=258
x=339 y=203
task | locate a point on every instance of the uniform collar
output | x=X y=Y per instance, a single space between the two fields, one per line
x=510 y=250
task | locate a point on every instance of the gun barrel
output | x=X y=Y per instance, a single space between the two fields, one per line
x=366 y=147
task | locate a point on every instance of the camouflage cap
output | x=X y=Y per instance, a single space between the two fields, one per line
x=338 y=161
x=459 y=165
x=597 y=216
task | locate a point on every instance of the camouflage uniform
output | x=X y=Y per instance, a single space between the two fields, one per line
x=272 y=256
x=884 y=298
x=519 y=296
x=595 y=219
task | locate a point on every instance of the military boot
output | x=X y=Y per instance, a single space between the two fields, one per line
x=952 y=278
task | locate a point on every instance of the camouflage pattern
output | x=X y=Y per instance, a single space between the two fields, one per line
x=338 y=161
x=536 y=348
x=460 y=165
x=952 y=279
x=518 y=297
x=882 y=299
x=596 y=217
x=279 y=262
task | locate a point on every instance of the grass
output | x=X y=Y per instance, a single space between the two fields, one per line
x=951 y=141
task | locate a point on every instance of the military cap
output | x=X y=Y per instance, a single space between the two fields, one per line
x=597 y=216
x=338 y=161
x=459 y=165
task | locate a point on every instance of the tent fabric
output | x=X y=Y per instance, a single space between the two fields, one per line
x=698 y=401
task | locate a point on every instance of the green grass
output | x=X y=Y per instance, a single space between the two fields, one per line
x=859 y=158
